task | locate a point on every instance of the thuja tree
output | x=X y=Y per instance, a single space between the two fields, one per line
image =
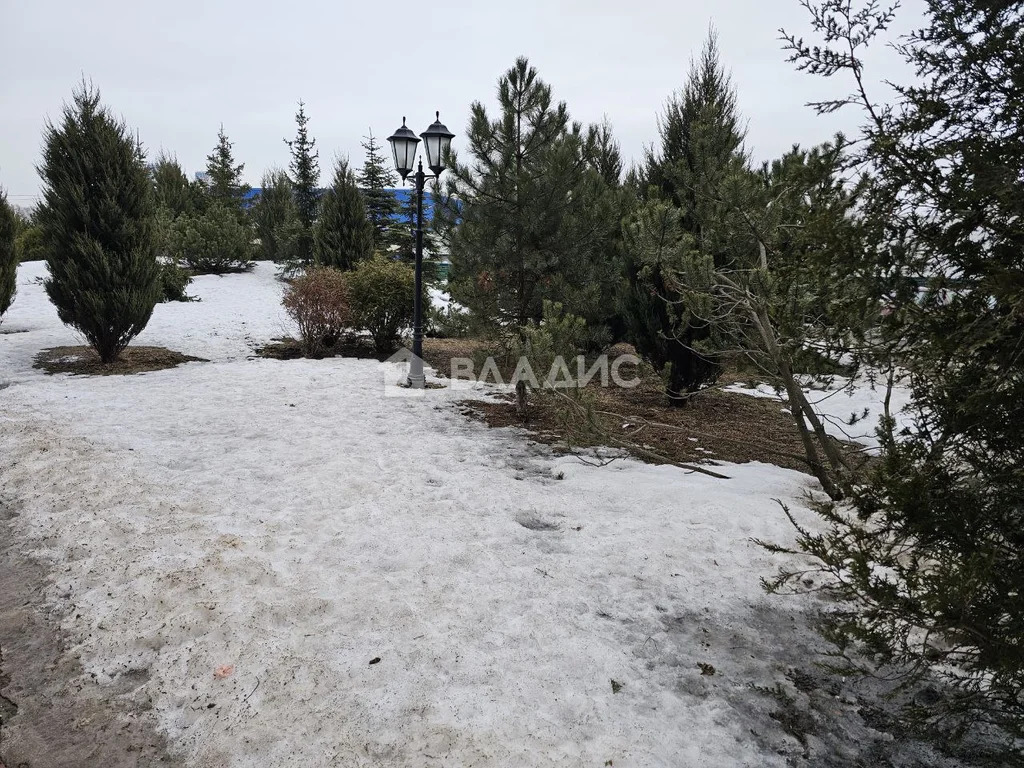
x=929 y=559
x=701 y=145
x=276 y=219
x=8 y=253
x=343 y=235
x=376 y=180
x=172 y=190
x=527 y=218
x=305 y=168
x=97 y=217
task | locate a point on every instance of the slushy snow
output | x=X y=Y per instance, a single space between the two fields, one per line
x=284 y=524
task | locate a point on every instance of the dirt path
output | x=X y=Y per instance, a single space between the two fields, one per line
x=50 y=717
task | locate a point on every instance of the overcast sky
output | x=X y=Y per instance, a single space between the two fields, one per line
x=177 y=70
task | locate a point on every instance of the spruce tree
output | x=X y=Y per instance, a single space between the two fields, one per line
x=97 y=218
x=528 y=219
x=305 y=167
x=377 y=181
x=8 y=253
x=343 y=235
x=224 y=177
x=701 y=147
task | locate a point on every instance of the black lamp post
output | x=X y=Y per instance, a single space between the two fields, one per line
x=436 y=139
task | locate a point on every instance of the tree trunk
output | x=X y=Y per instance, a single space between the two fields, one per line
x=522 y=410
x=802 y=412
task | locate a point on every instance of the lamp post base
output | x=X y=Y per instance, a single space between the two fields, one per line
x=417 y=382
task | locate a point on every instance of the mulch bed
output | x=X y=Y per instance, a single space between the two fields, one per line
x=85 y=361
x=714 y=426
x=438 y=353
x=287 y=348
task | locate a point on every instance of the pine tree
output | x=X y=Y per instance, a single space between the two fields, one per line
x=701 y=146
x=97 y=217
x=608 y=156
x=213 y=242
x=305 y=167
x=276 y=218
x=8 y=254
x=343 y=235
x=377 y=181
x=527 y=220
x=224 y=178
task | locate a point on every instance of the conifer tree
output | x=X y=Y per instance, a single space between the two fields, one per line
x=533 y=214
x=701 y=146
x=928 y=564
x=276 y=218
x=305 y=167
x=343 y=235
x=8 y=254
x=377 y=181
x=224 y=178
x=608 y=156
x=214 y=242
x=97 y=218
x=172 y=189
x=404 y=228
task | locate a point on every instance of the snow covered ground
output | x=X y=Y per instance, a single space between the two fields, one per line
x=848 y=413
x=295 y=569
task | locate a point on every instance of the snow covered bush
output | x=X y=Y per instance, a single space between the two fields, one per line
x=213 y=242
x=382 y=292
x=318 y=303
x=8 y=254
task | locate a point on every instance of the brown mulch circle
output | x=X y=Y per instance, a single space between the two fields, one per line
x=85 y=361
x=287 y=348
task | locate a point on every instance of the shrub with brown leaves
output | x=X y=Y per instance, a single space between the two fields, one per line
x=318 y=302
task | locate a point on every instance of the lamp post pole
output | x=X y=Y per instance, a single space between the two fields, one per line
x=416 y=378
x=437 y=140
